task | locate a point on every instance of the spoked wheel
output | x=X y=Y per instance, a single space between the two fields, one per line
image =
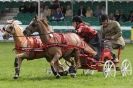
x=126 y=68
x=88 y=72
x=109 y=69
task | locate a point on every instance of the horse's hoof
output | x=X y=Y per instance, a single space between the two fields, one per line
x=72 y=70
x=15 y=77
x=57 y=76
x=65 y=73
x=73 y=75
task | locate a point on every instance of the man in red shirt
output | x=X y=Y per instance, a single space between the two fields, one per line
x=89 y=34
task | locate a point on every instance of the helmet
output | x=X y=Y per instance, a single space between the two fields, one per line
x=77 y=19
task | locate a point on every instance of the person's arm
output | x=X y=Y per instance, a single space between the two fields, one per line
x=118 y=31
x=102 y=34
x=79 y=30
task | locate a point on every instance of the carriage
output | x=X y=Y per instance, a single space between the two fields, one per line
x=106 y=63
x=88 y=64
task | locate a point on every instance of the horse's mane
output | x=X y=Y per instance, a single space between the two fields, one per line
x=44 y=22
x=14 y=21
x=17 y=26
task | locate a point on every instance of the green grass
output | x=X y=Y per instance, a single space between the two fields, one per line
x=33 y=74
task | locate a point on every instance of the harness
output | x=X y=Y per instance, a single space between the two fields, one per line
x=62 y=43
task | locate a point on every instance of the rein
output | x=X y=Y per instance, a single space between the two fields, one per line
x=45 y=34
x=36 y=34
x=30 y=35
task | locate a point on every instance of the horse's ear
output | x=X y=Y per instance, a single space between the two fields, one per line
x=36 y=17
x=10 y=21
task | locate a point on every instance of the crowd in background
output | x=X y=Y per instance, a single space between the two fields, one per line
x=58 y=12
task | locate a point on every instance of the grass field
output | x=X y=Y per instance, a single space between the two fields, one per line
x=33 y=74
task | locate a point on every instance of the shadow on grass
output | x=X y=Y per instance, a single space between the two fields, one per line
x=31 y=78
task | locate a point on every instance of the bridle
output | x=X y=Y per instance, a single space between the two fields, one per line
x=42 y=33
x=9 y=32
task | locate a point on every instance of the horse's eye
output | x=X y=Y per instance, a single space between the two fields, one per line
x=3 y=29
x=11 y=27
x=33 y=25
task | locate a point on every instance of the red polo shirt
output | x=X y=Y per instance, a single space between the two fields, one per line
x=85 y=31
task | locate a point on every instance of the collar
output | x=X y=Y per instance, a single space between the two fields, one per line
x=81 y=24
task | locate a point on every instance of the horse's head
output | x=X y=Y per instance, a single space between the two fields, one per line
x=32 y=27
x=8 y=30
x=35 y=26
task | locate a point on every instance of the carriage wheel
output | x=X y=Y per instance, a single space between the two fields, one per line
x=88 y=72
x=109 y=69
x=126 y=68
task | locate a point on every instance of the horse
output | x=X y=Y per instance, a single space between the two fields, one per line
x=29 y=48
x=60 y=45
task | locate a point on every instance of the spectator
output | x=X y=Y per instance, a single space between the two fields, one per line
x=55 y=4
x=69 y=12
x=103 y=10
x=81 y=11
x=22 y=8
x=117 y=15
x=63 y=9
x=123 y=17
x=97 y=12
x=34 y=7
x=130 y=17
x=89 y=12
x=46 y=12
x=111 y=16
x=58 y=15
x=28 y=8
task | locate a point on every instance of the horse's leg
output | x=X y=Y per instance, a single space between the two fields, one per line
x=57 y=65
x=61 y=70
x=70 y=60
x=54 y=61
x=76 y=65
x=77 y=58
x=17 y=64
x=71 y=70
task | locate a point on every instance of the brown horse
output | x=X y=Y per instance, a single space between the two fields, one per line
x=60 y=45
x=26 y=47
